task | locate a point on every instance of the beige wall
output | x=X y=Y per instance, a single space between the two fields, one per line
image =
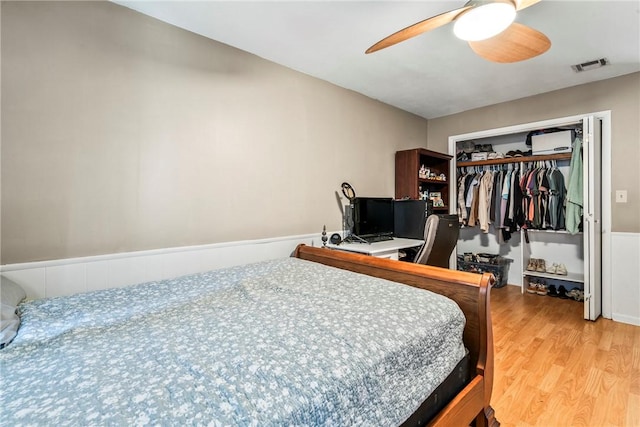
x=621 y=95
x=122 y=133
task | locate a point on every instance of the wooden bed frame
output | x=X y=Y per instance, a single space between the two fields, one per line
x=469 y=290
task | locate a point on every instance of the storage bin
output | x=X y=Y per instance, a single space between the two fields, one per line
x=498 y=266
x=551 y=143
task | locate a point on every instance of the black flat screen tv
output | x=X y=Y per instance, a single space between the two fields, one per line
x=372 y=216
x=410 y=217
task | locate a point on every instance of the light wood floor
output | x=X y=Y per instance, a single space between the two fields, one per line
x=553 y=368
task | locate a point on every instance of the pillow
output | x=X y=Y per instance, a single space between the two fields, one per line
x=11 y=294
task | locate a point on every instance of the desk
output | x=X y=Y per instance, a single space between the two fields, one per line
x=385 y=249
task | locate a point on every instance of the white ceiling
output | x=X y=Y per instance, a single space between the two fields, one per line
x=432 y=75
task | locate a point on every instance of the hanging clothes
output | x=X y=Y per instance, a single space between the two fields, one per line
x=557 y=193
x=494 y=212
x=474 y=200
x=574 y=207
x=484 y=202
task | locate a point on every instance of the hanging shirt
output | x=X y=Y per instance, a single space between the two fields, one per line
x=484 y=195
x=462 y=208
x=556 y=199
x=573 y=216
x=473 y=208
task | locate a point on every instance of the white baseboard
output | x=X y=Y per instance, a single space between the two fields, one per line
x=631 y=320
x=625 y=277
x=68 y=276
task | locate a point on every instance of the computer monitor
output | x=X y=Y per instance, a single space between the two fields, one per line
x=410 y=217
x=372 y=216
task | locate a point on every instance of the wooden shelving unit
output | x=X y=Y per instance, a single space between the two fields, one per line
x=408 y=182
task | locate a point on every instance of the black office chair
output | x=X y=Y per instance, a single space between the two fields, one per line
x=440 y=237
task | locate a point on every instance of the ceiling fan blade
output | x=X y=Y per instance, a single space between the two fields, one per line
x=517 y=43
x=417 y=29
x=522 y=4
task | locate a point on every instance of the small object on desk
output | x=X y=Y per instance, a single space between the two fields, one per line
x=335 y=239
x=324 y=236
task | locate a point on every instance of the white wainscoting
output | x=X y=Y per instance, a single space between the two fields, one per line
x=625 y=277
x=68 y=276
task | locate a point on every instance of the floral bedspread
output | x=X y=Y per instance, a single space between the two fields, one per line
x=283 y=342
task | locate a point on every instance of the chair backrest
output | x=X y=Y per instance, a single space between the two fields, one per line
x=440 y=237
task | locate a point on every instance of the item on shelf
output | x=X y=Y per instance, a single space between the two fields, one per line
x=486 y=148
x=561 y=269
x=424 y=172
x=551 y=143
x=436 y=198
x=462 y=157
x=537 y=264
x=478 y=156
x=468 y=146
x=514 y=153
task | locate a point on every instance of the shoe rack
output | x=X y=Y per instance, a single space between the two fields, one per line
x=558 y=247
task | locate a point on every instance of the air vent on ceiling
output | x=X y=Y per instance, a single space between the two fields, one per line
x=590 y=65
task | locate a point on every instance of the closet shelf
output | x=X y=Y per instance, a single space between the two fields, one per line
x=570 y=277
x=433 y=181
x=559 y=156
x=542 y=230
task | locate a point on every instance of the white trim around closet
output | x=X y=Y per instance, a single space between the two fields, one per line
x=605 y=116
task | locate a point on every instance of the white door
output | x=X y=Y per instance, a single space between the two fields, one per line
x=592 y=228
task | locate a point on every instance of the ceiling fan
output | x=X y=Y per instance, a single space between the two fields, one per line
x=488 y=27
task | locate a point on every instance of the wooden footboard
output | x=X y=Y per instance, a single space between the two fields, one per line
x=470 y=291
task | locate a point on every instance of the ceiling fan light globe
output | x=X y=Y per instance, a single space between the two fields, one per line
x=484 y=21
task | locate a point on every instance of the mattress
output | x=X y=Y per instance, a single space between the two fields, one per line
x=283 y=342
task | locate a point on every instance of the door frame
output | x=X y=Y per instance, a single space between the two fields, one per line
x=605 y=116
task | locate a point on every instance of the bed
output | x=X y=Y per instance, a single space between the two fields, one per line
x=321 y=338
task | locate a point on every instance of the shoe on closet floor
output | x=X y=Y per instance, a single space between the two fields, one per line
x=562 y=292
x=576 y=294
x=542 y=289
x=552 y=292
x=533 y=287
